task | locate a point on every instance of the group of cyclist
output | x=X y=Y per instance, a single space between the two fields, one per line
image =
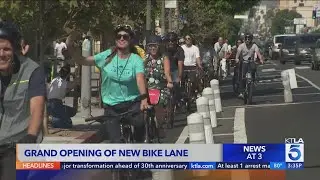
x=167 y=64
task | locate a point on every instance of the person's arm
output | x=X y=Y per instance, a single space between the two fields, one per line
x=238 y=53
x=216 y=48
x=166 y=66
x=72 y=85
x=55 y=50
x=198 y=59
x=37 y=95
x=76 y=54
x=141 y=82
x=180 y=63
x=259 y=54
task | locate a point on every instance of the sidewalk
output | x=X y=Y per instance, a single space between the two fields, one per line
x=82 y=132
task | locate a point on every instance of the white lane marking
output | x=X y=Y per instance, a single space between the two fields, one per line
x=224 y=134
x=280 y=95
x=310 y=82
x=303 y=67
x=268 y=70
x=302 y=87
x=270 y=104
x=240 y=136
x=183 y=136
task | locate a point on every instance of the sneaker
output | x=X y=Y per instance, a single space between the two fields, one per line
x=240 y=95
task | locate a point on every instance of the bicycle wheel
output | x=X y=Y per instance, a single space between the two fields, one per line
x=235 y=84
x=153 y=128
x=250 y=93
x=169 y=111
x=189 y=95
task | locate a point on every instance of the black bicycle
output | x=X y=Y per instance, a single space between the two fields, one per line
x=189 y=92
x=127 y=135
x=171 y=109
x=250 y=69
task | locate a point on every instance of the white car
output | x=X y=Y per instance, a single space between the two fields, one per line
x=277 y=39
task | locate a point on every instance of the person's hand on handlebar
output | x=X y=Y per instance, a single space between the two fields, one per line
x=170 y=85
x=144 y=104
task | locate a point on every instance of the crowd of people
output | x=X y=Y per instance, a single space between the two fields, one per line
x=127 y=73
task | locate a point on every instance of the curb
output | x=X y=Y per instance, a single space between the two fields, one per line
x=92 y=136
x=89 y=137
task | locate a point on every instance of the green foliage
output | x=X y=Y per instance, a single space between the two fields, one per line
x=282 y=19
x=208 y=18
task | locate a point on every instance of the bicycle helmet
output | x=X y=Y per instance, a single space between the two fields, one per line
x=171 y=36
x=248 y=36
x=126 y=28
x=154 y=40
x=11 y=32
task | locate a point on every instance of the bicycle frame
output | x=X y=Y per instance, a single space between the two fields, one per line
x=249 y=79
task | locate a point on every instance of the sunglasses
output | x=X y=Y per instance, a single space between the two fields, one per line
x=124 y=36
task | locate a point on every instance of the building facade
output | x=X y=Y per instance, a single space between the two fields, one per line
x=304 y=7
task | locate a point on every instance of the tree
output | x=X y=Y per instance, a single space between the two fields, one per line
x=63 y=16
x=207 y=18
x=282 y=19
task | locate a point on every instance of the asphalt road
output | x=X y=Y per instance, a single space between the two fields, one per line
x=270 y=120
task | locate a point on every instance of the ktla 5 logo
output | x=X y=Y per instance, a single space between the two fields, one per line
x=294 y=152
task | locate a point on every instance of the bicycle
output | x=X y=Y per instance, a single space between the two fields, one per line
x=190 y=94
x=248 y=80
x=127 y=137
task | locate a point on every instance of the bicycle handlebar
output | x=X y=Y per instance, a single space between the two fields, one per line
x=103 y=118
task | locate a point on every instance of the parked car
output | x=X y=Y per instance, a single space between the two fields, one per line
x=315 y=62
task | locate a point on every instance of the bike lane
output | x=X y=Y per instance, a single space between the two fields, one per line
x=275 y=123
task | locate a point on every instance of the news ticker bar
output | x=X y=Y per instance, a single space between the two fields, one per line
x=157 y=165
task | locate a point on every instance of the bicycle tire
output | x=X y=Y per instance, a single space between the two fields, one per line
x=154 y=130
x=250 y=93
x=189 y=96
x=169 y=117
x=245 y=94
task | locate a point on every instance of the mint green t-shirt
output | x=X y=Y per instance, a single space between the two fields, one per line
x=119 y=82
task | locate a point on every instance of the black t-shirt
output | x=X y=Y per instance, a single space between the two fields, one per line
x=174 y=57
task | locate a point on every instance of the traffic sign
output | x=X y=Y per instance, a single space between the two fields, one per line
x=300 y=21
x=318 y=13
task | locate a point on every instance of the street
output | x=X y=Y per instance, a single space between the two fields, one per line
x=268 y=120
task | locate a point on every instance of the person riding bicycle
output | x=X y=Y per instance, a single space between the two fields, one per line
x=192 y=62
x=175 y=54
x=23 y=94
x=158 y=75
x=247 y=51
x=221 y=49
x=123 y=85
x=208 y=56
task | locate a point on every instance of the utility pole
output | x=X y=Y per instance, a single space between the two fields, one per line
x=177 y=18
x=163 y=17
x=86 y=79
x=170 y=19
x=148 y=20
x=41 y=34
